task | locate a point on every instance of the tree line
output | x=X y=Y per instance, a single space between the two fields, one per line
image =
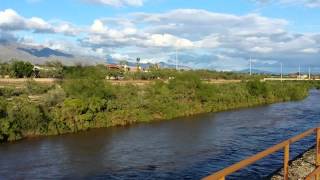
x=55 y=69
x=23 y=69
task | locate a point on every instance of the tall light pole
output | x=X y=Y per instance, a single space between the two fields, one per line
x=250 y=63
x=309 y=73
x=176 y=59
x=281 y=71
x=299 y=77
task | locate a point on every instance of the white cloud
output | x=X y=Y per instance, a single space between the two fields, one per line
x=167 y=40
x=98 y=27
x=38 y=24
x=261 y=49
x=119 y=56
x=310 y=50
x=307 y=3
x=10 y=20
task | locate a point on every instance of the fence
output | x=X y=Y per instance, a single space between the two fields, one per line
x=285 y=145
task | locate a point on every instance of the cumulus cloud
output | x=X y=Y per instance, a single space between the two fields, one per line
x=168 y=40
x=182 y=28
x=10 y=20
x=117 y=3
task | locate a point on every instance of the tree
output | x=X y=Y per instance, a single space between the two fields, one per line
x=3 y=108
x=4 y=69
x=20 y=69
x=55 y=69
x=124 y=65
x=138 y=64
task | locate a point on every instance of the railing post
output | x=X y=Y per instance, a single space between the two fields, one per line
x=318 y=148
x=286 y=161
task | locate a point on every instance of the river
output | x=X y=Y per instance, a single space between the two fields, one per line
x=185 y=148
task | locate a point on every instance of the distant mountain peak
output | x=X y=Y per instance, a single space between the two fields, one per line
x=42 y=54
x=45 y=52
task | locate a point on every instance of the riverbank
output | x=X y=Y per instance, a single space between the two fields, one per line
x=300 y=167
x=84 y=103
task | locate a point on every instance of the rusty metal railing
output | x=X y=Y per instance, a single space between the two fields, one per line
x=314 y=175
x=285 y=145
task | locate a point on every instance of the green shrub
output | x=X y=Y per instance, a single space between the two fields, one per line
x=9 y=92
x=32 y=87
x=257 y=88
x=54 y=96
x=86 y=88
x=3 y=108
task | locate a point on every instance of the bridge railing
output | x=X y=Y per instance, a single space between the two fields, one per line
x=285 y=145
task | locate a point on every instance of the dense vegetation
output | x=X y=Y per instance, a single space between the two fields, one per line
x=83 y=100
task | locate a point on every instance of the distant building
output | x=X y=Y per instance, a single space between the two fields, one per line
x=126 y=68
x=298 y=76
x=137 y=69
x=113 y=67
x=303 y=77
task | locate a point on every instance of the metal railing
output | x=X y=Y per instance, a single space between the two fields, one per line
x=314 y=175
x=285 y=145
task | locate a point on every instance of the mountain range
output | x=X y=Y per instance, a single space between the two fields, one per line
x=40 y=55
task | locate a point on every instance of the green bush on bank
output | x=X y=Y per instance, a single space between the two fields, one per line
x=22 y=118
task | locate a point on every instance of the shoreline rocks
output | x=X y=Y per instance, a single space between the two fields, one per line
x=300 y=167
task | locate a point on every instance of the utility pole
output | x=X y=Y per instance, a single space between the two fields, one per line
x=176 y=59
x=309 y=73
x=299 y=77
x=281 y=72
x=250 y=62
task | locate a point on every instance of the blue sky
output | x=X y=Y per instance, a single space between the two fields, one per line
x=77 y=11
x=215 y=34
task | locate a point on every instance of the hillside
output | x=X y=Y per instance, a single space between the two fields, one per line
x=39 y=55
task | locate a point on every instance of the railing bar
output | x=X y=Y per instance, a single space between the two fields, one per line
x=286 y=162
x=314 y=174
x=318 y=147
x=300 y=136
x=244 y=163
